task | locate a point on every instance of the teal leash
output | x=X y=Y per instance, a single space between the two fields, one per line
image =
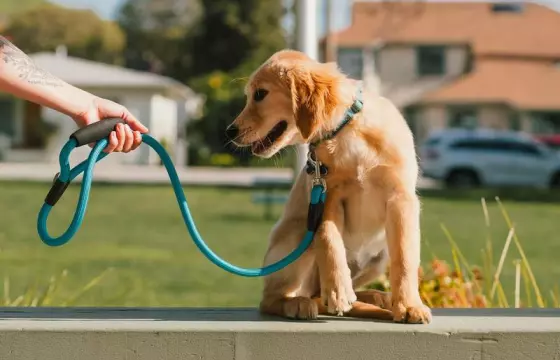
x=98 y=133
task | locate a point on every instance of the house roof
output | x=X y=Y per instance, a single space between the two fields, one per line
x=529 y=85
x=529 y=33
x=87 y=73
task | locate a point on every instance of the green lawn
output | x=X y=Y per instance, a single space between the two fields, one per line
x=139 y=232
x=13 y=6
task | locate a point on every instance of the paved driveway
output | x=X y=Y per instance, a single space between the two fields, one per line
x=155 y=175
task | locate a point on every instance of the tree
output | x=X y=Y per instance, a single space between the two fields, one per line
x=46 y=26
x=230 y=41
x=154 y=30
x=235 y=33
x=159 y=15
x=207 y=44
x=16 y=6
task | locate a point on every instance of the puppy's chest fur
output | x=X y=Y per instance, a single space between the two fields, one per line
x=360 y=177
x=364 y=223
x=362 y=200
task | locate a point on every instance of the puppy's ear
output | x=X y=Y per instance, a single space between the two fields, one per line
x=313 y=96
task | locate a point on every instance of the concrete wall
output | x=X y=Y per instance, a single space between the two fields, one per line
x=163 y=124
x=526 y=124
x=221 y=334
x=456 y=60
x=427 y=119
x=397 y=64
x=139 y=104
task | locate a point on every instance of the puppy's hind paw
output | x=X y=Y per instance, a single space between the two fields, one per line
x=301 y=308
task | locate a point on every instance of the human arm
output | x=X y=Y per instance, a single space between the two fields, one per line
x=22 y=78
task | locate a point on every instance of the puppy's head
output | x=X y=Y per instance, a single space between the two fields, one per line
x=289 y=98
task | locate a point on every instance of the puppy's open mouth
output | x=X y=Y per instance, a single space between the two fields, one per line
x=262 y=145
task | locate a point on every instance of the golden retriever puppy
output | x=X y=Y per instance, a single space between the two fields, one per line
x=371 y=213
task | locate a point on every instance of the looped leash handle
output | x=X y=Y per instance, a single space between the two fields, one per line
x=96 y=131
x=59 y=186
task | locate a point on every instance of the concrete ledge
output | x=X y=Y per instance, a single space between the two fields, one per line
x=220 y=334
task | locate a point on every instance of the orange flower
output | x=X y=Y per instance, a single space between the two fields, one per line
x=440 y=268
x=480 y=301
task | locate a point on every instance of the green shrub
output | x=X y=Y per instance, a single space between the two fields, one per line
x=223 y=160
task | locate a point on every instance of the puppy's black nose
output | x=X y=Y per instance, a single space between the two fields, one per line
x=232 y=132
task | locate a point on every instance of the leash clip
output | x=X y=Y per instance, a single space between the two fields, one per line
x=319 y=181
x=317 y=169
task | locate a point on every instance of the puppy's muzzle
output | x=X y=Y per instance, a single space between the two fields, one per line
x=232 y=133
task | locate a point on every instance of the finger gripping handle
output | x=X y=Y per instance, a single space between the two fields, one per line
x=96 y=131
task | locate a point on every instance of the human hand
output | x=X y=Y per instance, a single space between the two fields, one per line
x=21 y=77
x=125 y=138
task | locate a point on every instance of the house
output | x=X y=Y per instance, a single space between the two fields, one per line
x=37 y=134
x=457 y=64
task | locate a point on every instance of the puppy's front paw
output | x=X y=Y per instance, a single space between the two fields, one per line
x=301 y=308
x=338 y=296
x=411 y=314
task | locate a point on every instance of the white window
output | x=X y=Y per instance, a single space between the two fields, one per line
x=430 y=60
x=463 y=117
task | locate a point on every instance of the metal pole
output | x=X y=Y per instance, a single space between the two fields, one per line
x=306 y=18
x=329 y=21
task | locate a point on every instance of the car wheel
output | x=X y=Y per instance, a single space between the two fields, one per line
x=463 y=179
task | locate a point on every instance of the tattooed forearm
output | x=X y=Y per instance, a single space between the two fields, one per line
x=24 y=66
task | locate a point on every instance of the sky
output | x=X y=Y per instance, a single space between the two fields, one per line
x=105 y=8
x=108 y=8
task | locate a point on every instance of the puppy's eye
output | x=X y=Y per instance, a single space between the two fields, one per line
x=260 y=94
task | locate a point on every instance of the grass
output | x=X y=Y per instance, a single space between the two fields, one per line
x=138 y=232
x=46 y=294
x=14 y=6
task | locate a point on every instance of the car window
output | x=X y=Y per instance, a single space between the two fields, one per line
x=432 y=141
x=497 y=145
x=524 y=148
x=472 y=144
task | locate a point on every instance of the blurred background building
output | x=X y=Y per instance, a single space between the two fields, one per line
x=464 y=64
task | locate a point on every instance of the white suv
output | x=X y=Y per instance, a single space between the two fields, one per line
x=468 y=158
